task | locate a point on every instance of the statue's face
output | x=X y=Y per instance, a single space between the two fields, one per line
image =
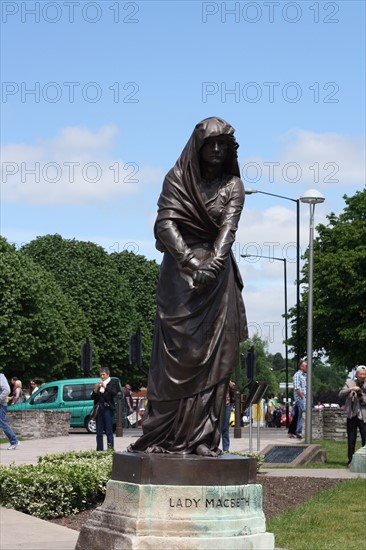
x=214 y=150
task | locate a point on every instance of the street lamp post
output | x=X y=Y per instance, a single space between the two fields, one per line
x=297 y=201
x=286 y=331
x=311 y=197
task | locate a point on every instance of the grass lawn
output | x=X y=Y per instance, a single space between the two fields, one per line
x=6 y=440
x=336 y=453
x=332 y=520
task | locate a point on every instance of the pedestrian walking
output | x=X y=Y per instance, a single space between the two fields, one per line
x=4 y=392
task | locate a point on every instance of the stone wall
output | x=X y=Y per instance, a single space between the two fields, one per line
x=329 y=424
x=39 y=424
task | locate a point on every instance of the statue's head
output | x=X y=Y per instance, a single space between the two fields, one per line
x=215 y=141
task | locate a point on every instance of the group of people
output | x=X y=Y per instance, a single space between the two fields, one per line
x=17 y=393
x=12 y=394
x=274 y=412
x=103 y=395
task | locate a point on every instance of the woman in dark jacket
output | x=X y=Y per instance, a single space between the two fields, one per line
x=103 y=394
x=200 y=312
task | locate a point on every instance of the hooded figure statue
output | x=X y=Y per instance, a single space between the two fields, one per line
x=200 y=317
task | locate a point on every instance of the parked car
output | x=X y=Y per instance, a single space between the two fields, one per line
x=68 y=395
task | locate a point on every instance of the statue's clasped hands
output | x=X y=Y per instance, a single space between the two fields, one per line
x=202 y=277
x=205 y=273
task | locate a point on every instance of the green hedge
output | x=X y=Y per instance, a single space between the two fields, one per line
x=61 y=484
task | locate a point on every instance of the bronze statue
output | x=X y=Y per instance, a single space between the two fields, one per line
x=200 y=311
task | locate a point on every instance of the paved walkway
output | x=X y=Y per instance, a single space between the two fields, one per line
x=29 y=451
x=22 y=532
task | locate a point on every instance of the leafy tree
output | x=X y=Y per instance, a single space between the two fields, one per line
x=41 y=328
x=88 y=275
x=325 y=395
x=277 y=361
x=326 y=383
x=142 y=277
x=339 y=288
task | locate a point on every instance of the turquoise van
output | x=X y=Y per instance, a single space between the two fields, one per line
x=68 y=395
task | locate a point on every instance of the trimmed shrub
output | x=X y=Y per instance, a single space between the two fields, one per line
x=59 y=485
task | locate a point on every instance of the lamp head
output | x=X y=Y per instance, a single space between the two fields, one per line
x=312 y=196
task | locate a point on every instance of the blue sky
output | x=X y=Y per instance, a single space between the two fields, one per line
x=118 y=88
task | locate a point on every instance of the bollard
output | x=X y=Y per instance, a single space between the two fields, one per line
x=119 y=425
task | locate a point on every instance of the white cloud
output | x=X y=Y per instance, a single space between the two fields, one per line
x=270 y=232
x=327 y=160
x=264 y=308
x=76 y=139
x=331 y=156
x=75 y=167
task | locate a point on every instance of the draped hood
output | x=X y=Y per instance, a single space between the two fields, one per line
x=180 y=198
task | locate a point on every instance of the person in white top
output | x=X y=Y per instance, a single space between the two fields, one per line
x=32 y=387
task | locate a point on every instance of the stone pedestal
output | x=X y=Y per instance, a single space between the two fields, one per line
x=179 y=503
x=358 y=463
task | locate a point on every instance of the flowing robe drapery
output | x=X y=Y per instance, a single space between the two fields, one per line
x=198 y=328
